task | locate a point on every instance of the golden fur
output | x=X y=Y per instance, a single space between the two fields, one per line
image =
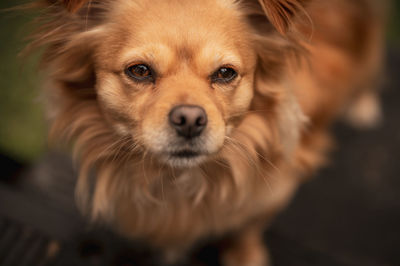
x=301 y=63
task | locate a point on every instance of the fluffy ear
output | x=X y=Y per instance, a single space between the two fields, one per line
x=282 y=12
x=73 y=5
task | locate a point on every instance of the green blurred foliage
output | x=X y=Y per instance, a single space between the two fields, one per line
x=22 y=123
x=22 y=126
x=394 y=24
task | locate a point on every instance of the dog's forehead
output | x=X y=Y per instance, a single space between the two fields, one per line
x=209 y=33
x=178 y=21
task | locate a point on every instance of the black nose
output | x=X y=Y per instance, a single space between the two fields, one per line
x=188 y=120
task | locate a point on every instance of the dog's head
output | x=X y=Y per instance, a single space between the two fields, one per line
x=175 y=76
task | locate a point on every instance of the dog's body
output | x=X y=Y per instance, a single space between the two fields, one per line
x=263 y=100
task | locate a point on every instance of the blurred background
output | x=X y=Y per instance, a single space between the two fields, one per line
x=22 y=125
x=348 y=215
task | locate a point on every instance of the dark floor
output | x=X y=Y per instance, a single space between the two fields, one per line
x=348 y=215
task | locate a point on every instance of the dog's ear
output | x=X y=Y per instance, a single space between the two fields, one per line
x=280 y=13
x=73 y=5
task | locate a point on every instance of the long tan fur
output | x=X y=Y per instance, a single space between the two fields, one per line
x=307 y=67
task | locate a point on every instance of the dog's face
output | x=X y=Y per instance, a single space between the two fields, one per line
x=175 y=75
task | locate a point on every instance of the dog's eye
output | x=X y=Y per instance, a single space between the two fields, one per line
x=140 y=72
x=224 y=75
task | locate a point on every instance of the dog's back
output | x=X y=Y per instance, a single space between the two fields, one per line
x=346 y=50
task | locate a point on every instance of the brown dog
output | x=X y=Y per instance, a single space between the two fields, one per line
x=201 y=118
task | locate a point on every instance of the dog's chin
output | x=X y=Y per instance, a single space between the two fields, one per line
x=184 y=158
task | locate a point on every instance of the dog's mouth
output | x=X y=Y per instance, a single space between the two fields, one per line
x=185 y=154
x=184 y=158
x=177 y=152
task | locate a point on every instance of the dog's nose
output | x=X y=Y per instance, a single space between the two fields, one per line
x=188 y=120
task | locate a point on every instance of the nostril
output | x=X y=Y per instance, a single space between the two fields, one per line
x=201 y=121
x=177 y=119
x=182 y=120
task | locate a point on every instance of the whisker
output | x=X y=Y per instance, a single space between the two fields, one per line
x=143 y=166
x=251 y=161
x=226 y=166
x=117 y=152
x=87 y=14
x=110 y=148
x=247 y=112
x=259 y=154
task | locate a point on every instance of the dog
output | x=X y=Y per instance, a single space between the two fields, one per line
x=199 y=119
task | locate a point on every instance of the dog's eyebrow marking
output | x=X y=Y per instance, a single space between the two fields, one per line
x=221 y=57
x=147 y=54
